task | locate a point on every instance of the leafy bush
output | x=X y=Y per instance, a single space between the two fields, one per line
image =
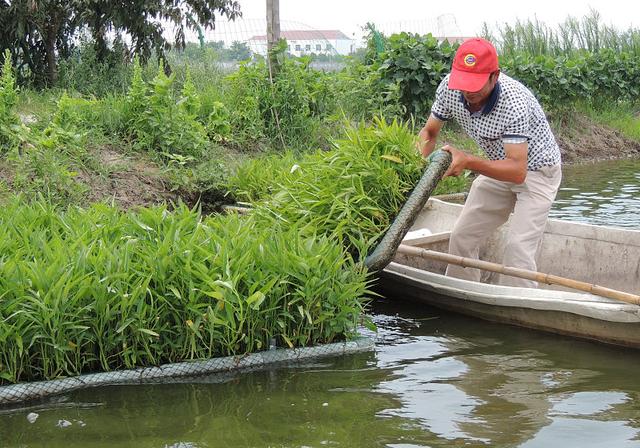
x=260 y=177
x=208 y=110
x=592 y=77
x=416 y=64
x=362 y=94
x=352 y=192
x=285 y=109
x=159 y=123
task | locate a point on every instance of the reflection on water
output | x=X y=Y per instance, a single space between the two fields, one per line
x=435 y=380
x=607 y=193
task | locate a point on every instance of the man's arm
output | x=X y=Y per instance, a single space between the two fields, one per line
x=428 y=135
x=512 y=169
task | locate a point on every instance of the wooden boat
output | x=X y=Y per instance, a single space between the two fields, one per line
x=600 y=255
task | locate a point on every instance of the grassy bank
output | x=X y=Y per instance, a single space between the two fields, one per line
x=96 y=289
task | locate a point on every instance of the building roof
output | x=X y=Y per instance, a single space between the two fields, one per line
x=308 y=35
x=452 y=39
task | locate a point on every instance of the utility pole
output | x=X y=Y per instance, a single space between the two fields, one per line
x=273 y=31
x=273 y=37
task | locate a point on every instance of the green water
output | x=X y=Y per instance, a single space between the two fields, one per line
x=606 y=193
x=435 y=380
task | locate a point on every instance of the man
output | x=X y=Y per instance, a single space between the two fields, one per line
x=521 y=173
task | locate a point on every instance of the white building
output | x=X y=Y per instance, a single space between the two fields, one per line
x=301 y=42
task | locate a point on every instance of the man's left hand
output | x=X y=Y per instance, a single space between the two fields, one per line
x=458 y=161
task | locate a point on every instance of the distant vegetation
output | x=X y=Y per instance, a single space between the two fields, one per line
x=41 y=33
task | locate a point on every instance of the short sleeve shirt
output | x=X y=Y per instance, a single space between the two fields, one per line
x=512 y=115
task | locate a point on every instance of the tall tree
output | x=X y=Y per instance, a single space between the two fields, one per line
x=39 y=32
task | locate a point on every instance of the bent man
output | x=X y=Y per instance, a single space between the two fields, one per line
x=522 y=171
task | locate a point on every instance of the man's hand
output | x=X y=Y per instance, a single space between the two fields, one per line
x=459 y=161
x=513 y=168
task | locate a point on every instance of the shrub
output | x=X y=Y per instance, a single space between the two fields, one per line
x=83 y=72
x=284 y=109
x=362 y=94
x=42 y=172
x=159 y=123
x=352 y=192
x=416 y=64
x=12 y=132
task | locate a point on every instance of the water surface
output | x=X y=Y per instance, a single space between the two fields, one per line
x=435 y=379
x=605 y=193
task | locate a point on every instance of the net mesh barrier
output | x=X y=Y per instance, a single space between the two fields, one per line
x=384 y=252
x=16 y=393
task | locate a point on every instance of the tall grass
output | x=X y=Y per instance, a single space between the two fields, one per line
x=622 y=117
x=571 y=37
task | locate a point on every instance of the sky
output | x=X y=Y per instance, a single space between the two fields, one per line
x=421 y=16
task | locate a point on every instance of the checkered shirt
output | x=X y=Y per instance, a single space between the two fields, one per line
x=511 y=115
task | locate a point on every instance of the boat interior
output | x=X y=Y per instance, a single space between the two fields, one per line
x=605 y=256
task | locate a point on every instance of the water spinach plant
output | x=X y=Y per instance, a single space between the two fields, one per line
x=98 y=289
x=352 y=192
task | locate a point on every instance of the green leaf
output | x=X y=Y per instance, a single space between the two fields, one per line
x=149 y=332
x=175 y=292
x=286 y=339
x=215 y=294
x=391 y=158
x=256 y=299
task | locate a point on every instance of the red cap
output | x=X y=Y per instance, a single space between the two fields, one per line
x=475 y=60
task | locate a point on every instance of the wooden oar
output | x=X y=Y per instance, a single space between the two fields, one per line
x=521 y=273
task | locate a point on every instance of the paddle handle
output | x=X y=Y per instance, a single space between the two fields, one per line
x=521 y=273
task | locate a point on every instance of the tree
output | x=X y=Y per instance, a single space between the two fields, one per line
x=239 y=51
x=35 y=33
x=39 y=32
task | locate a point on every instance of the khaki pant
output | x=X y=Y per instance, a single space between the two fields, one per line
x=488 y=206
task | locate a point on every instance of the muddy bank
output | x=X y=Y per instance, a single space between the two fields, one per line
x=583 y=141
x=127 y=181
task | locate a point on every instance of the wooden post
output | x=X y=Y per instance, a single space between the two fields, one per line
x=273 y=37
x=273 y=31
